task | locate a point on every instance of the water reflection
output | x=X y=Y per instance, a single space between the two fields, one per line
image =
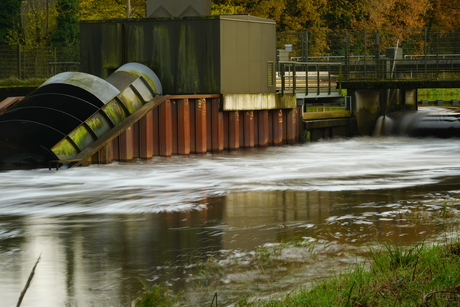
x=101 y=228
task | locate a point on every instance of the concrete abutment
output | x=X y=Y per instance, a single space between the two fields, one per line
x=370 y=104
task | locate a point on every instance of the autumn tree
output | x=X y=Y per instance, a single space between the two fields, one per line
x=110 y=9
x=38 y=22
x=227 y=9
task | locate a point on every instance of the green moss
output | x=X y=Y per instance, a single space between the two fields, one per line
x=15 y=82
x=188 y=77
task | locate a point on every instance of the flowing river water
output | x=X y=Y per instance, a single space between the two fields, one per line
x=100 y=229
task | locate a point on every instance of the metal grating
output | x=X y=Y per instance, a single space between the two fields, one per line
x=270 y=73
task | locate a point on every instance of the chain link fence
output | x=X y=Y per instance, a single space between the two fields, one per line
x=27 y=62
x=425 y=53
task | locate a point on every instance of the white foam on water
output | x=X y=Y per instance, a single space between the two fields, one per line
x=177 y=183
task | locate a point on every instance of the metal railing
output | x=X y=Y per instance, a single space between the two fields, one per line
x=381 y=54
x=308 y=78
x=26 y=62
x=58 y=67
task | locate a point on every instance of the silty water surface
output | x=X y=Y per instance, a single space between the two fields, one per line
x=100 y=228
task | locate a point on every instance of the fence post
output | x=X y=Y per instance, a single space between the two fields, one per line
x=347 y=54
x=294 y=77
x=377 y=56
x=425 y=50
x=318 y=81
x=306 y=80
x=19 y=61
x=304 y=46
x=365 y=54
x=283 y=80
x=437 y=52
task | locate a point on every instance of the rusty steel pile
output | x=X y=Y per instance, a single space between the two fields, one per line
x=69 y=112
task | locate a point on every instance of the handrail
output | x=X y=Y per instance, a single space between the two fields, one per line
x=295 y=76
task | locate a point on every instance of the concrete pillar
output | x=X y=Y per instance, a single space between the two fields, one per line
x=368 y=108
x=299 y=125
x=411 y=97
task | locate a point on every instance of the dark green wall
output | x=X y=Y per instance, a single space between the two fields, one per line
x=190 y=55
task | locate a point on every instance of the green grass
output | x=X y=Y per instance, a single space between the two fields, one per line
x=157 y=296
x=15 y=82
x=395 y=276
x=387 y=274
x=453 y=93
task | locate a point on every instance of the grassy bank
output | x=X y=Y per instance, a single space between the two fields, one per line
x=394 y=276
x=419 y=276
x=305 y=271
x=435 y=93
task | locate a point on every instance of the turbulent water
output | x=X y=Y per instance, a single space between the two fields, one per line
x=100 y=228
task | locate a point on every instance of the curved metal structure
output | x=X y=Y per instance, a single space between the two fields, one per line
x=420 y=124
x=69 y=112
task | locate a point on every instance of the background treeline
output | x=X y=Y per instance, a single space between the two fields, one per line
x=302 y=15
x=55 y=22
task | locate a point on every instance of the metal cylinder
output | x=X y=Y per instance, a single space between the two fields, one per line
x=69 y=112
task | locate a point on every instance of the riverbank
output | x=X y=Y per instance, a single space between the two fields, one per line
x=426 y=273
x=421 y=275
x=416 y=276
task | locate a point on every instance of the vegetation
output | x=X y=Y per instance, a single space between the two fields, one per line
x=419 y=276
x=44 y=22
x=10 y=19
x=388 y=274
x=439 y=93
x=394 y=276
x=13 y=82
x=295 y=15
x=67 y=25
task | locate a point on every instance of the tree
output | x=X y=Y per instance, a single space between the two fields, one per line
x=10 y=19
x=67 y=23
x=110 y=9
x=227 y=9
x=38 y=23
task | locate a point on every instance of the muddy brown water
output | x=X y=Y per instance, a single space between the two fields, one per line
x=101 y=228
